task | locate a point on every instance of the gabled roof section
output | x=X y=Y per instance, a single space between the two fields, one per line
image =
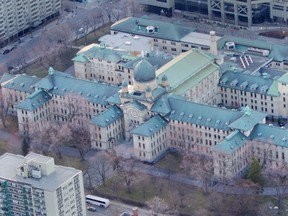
x=114 y=99
x=268 y=133
x=35 y=100
x=200 y=114
x=150 y=127
x=80 y=58
x=259 y=84
x=162 y=105
x=100 y=51
x=231 y=143
x=162 y=30
x=107 y=117
x=6 y=77
x=138 y=105
x=186 y=70
x=284 y=78
x=248 y=120
x=23 y=83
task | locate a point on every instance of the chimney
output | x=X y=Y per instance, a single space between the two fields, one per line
x=135 y=211
x=213 y=43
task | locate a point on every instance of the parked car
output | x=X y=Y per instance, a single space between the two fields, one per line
x=90 y=208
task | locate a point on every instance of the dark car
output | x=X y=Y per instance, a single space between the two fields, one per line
x=90 y=208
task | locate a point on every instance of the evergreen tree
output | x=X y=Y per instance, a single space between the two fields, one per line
x=25 y=146
x=254 y=173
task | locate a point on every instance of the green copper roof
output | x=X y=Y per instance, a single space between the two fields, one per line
x=6 y=77
x=162 y=104
x=276 y=135
x=35 y=100
x=101 y=52
x=80 y=58
x=186 y=70
x=200 y=114
x=212 y=116
x=284 y=78
x=23 y=83
x=144 y=72
x=138 y=105
x=150 y=127
x=244 y=42
x=162 y=30
x=140 y=95
x=114 y=99
x=107 y=117
x=249 y=83
x=231 y=143
x=277 y=52
x=61 y=83
x=248 y=120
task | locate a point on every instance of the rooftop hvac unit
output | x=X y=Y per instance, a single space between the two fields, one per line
x=36 y=174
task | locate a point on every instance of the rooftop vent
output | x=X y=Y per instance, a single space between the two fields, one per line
x=150 y=29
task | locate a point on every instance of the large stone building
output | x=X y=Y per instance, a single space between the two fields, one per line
x=110 y=65
x=18 y=17
x=167 y=107
x=34 y=185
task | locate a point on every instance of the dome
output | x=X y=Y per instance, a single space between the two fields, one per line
x=144 y=72
x=124 y=83
x=164 y=78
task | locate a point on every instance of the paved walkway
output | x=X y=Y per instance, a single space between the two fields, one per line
x=182 y=178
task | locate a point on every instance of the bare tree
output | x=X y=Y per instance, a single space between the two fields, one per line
x=158 y=206
x=278 y=178
x=267 y=209
x=125 y=171
x=98 y=167
x=4 y=108
x=244 y=200
x=80 y=139
x=201 y=168
x=95 y=19
x=51 y=137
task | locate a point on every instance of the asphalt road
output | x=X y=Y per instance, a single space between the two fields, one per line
x=115 y=209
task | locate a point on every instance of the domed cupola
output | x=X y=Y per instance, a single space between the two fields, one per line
x=144 y=72
x=124 y=86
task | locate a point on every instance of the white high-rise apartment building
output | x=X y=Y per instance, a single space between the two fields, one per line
x=17 y=16
x=34 y=185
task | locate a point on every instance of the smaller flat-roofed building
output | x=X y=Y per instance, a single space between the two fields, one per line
x=34 y=185
x=173 y=38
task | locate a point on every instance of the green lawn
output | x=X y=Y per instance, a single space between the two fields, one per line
x=2 y=147
x=69 y=161
x=93 y=37
x=193 y=198
x=62 y=64
x=170 y=161
x=12 y=124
